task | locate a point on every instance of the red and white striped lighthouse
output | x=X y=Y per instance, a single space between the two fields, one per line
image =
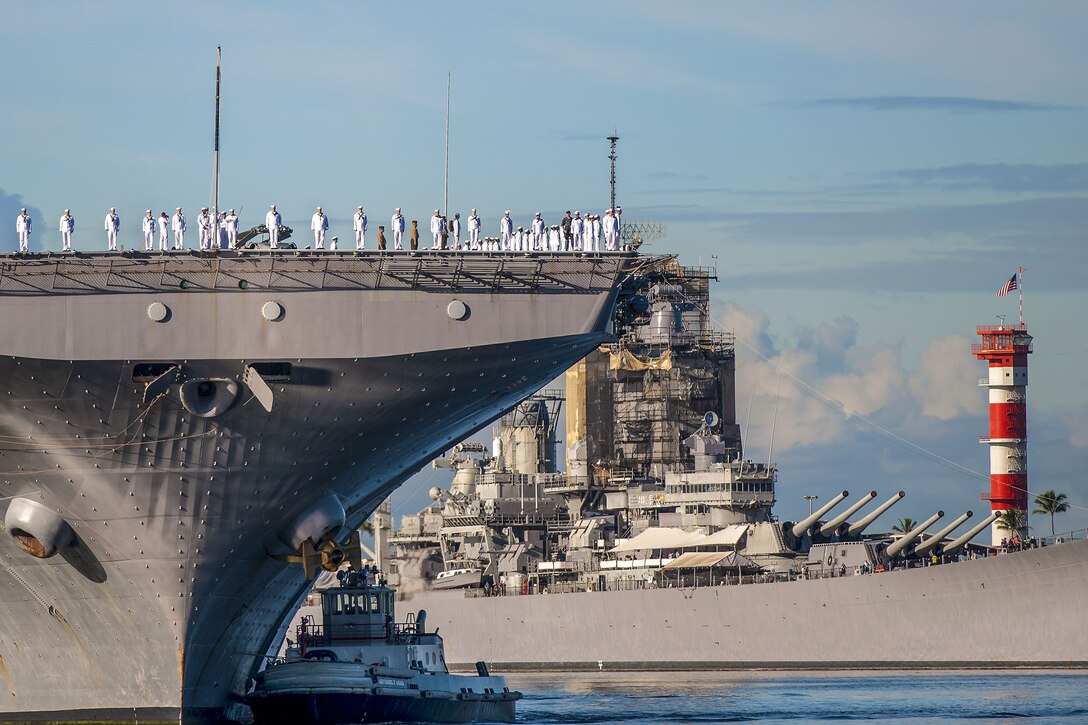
x=1006 y=348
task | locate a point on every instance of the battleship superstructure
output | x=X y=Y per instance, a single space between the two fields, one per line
x=174 y=428
x=658 y=546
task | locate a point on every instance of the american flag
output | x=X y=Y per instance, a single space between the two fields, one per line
x=1008 y=286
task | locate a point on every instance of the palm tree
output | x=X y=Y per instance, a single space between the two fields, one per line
x=905 y=525
x=1049 y=502
x=1013 y=521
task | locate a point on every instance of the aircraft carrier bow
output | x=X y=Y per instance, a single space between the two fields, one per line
x=173 y=427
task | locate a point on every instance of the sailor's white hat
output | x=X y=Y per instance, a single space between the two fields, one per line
x=148 y=211
x=436 y=211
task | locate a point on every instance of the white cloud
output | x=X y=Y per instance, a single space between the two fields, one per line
x=823 y=377
x=945 y=382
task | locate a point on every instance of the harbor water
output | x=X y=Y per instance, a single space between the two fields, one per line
x=916 y=697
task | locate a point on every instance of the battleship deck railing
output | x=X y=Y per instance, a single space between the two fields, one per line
x=141 y=272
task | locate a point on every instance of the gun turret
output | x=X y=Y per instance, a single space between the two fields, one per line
x=829 y=528
x=897 y=546
x=802 y=526
x=856 y=528
x=936 y=539
x=956 y=545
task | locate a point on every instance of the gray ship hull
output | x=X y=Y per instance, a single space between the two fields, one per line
x=173 y=587
x=1024 y=609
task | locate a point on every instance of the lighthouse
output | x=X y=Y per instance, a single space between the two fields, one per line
x=1006 y=348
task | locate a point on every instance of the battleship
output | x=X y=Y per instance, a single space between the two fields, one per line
x=177 y=429
x=657 y=547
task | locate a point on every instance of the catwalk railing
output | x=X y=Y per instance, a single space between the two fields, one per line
x=139 y=272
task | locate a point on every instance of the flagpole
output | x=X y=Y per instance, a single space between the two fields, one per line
x=1020 y=290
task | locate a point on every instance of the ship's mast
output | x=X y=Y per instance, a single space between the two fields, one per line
x=215 y=171
x=446 y=172
x=612 y=157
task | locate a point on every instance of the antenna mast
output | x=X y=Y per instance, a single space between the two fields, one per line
x=612 y=156
x=446 y=174
x=215 y=173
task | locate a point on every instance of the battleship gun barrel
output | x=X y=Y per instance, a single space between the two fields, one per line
x=828 y=528
x=897 y=546
x=932 y=541
x=954 y=546
x=805 y=524
x=857 y=528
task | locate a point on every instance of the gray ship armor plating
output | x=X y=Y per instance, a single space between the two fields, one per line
x=167 y=594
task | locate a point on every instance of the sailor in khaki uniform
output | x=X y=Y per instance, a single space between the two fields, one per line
x=359 y=225
x=67 y=226
x=178 y=224
x=22 y=227
x=319 y=223
x=148 y=228
x=112 y=225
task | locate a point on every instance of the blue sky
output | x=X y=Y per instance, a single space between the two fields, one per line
x=866 y=175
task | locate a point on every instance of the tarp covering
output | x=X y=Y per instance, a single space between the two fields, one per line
x=706 y=559
x=729 y=536
x=662 y=537
x=627 y=360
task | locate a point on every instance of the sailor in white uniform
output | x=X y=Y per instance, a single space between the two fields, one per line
x=473 y=230
x=221 y=231
x=594 y=233
x=232 y=229
x=272 y=220
x=555 y=239
x=178 y=224
x=359 y=225
x=67 y=226
x=455 y=231
x=538 y=233
x=436 y=229
x=506 y=231
x=619 y=226
x=519 y=239
x=608 y=226
x=397 y=225
x=164 y=232
x=576 y=228
x=204 y=228
x=112 y=225
x=22 y=227
x=148 y=228
x=319 y=223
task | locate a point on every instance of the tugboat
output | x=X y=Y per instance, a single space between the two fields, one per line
x=361 y=665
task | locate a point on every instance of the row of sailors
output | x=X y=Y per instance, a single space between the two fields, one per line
x=163 y=226
x=574 y=234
